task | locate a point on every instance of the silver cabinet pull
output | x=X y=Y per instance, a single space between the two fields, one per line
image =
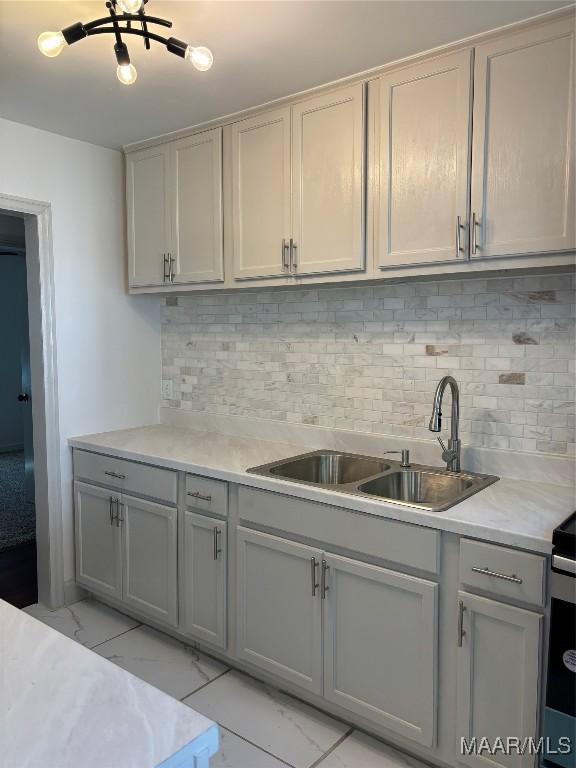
x=118 y=518
x=293 y=255
x=473 y=244
x=487 y=572
x=324 y=587
x=171 y=273
x=217 y=549
x=114 y=474
x=165 y=263
x=461 y=631
x=198 y=495
x=459 y=226
x=111 y=509
x=285 y=255
x=313 y=569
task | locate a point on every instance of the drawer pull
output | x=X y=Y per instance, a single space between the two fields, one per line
x=487 y=572
x=198 y=495
x=114 y=474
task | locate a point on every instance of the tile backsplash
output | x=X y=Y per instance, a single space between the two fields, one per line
x=369 y=358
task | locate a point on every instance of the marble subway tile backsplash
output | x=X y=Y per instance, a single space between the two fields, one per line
x=369 y=358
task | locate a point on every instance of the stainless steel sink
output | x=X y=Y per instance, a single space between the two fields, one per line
x=329 y=468
x=416 y=486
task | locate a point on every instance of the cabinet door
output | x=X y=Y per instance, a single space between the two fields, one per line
x=147 y=174
x=261 y=194
x=150 y=560
x=205 y=557
x=380 y=646
x=497 y=678
x=421 y=143
x=328 y=182
x=98 y=542
x=279 y=618
x=197 y=229
x=523 y=150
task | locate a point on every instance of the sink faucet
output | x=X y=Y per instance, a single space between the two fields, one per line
x=450 y=454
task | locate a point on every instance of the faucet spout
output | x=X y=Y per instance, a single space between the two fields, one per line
x=452 y=454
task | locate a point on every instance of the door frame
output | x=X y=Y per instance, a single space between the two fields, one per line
x=37 y=217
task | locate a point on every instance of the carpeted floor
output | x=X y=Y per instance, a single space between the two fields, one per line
x=17 y=517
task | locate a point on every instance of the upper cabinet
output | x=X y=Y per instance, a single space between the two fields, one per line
x=523 y=150
x=328 y=182
x=260 y=159
x=421 y=147
x=174 y=206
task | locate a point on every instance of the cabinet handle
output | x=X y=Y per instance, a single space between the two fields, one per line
x=459 y=226
x=285 y=255
x=487 y=572
x=198 y=495
x=171 y=262
x=461 y=631
x=324 y=587
x=111 y=508
x=293 y=255
x=114 y=474
x=313 y=567
x=118 y=518
x=473 y=244
x=217 y=549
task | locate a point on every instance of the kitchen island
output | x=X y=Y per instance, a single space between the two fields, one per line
x=63 y=706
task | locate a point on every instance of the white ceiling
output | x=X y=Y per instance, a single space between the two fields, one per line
x=262 y=51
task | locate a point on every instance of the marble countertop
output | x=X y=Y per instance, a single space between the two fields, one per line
x=63 y=705
x=514 y=512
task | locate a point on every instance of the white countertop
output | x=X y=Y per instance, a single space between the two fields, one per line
x=63 y=706
x=514 y=512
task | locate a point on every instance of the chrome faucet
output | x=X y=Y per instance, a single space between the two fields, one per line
x=450 y=454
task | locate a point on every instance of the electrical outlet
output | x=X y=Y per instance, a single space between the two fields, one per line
x=167 y=389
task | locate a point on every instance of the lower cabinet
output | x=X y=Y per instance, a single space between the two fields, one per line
x=126 y=549
x=204 y=573
x=363 y=636
x=498 y=671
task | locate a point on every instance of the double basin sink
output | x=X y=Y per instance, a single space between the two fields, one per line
x=416 y=486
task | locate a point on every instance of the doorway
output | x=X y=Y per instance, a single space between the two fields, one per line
x=18 y=572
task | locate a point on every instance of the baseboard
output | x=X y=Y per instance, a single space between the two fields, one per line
x=11 y=448
x=73 y=592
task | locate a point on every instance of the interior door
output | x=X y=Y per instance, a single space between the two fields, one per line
x=261 y=194
x=196 y=207
x=421 y=157
x=150 y=558
x=279 y=609
x=380 y=646
x=498 y=673
x=205 y=557
x=98 y=543
x=147 y=174
x=523 y=150
x=328 y=182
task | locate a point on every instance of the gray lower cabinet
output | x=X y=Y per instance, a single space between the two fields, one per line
x=98 y=540
x=204 y=574
x=380 y=646
x=498 y=663
x=279 y=626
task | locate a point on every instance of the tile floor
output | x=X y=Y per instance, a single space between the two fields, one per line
x=260 y=727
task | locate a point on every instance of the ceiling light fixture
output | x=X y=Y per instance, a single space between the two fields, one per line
x=126 y=17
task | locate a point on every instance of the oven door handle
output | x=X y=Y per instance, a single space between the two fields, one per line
x=564 y=564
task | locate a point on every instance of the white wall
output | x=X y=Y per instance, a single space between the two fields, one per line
x=108 y=344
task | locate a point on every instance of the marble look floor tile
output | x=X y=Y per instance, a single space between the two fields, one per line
x=360 y=750
x=237 y=753
x=88 y=622
x=289 y=729
x=166 y=663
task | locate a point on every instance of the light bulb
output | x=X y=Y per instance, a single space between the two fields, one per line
x=200 y=57
x=51 y=43
x=130 y=6
x=126 y=73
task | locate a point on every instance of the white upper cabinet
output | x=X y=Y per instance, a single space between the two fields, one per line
x=523 y=150
x=196 y=208
x=420 y=159
x=328 y=182
x=261 y=194
x=147 y=179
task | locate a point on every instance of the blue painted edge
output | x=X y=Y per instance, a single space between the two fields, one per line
x=557 y=725
x=205 y=745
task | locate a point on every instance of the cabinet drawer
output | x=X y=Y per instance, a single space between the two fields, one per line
x=503 y=572
x=412 y=546
x=128 y=476
x=207 y=494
